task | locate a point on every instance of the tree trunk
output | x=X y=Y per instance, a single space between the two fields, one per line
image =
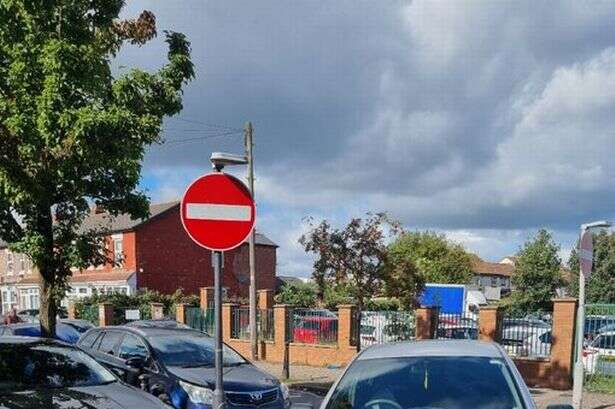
x=48 y=308
x=46 y=267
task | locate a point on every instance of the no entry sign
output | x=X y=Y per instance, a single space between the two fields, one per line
x=218 y=212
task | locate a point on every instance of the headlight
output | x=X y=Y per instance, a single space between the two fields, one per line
x=285 y=391
x=198 y=394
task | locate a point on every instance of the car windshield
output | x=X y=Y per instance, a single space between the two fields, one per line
x=427 y=382
x=191 y=350
x=35 y=366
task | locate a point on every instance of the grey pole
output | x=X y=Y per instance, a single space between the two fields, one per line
x=251 y=239
x=577 y=379
x=217 y=260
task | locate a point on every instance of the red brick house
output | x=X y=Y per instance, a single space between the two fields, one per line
x=157 y=254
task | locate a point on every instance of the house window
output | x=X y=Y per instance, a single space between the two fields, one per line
x=9 y=263
x=83 y=290
x=494 y=281
x=30 y=299
x=22 y=263
x=6 y=301
x=118 y=255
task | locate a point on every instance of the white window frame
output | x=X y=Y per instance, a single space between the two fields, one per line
x=9 y=263
x=118 y=250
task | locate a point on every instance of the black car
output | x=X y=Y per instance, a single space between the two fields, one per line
x=41 y=373
x=177 y=365
x=161 y=323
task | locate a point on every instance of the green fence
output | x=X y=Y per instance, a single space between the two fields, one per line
x=201 y=320
x=599 y=347
x=89 y=313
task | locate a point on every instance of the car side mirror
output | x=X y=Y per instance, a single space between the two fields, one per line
x=559 y=406
x=135 y=362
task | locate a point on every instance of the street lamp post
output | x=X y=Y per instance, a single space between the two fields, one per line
x=219 y=160
x=585 y=257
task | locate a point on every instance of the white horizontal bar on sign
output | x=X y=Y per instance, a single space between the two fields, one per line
x=209 y=211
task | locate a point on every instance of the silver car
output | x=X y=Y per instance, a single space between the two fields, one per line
x=442 y=374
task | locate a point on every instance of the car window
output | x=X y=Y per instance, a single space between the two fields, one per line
x=109 y=341
x=545 y=338
x=132 y=347
x=427 y=382
x=43 y=366
x=606 y=342
x=1 y=331
x=191 y=350
x=88 y=339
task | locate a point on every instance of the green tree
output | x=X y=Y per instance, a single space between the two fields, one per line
x=537 y=274
x=403 y=281
x=353 y=256
x=301 y=295
x=427 y=257
x=600 y=288
x=71 y=133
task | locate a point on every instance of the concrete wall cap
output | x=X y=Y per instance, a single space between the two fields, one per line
x=564 y=299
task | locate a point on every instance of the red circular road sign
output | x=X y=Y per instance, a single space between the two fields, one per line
x=218 y=212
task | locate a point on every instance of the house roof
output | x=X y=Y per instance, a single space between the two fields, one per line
x=482 y=267
x=94 y=276
x=123 y=222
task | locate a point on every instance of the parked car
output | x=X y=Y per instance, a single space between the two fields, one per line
x=430 y=374
x=537 y=345
x=378 y=327
x=315 y=329
x=80 y=325
x=164 y=323
x=458 y=332
x=42 y=373
x=64 y=332
x=31 y=315
x=600 y=355
x=177 y=366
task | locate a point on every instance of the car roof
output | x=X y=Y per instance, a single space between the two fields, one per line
x=150 y=331
x=432 y=348
x=30 y=340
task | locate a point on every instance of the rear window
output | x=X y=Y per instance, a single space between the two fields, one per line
x=27 y=331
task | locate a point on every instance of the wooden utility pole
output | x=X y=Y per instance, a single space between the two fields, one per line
x=253 y=334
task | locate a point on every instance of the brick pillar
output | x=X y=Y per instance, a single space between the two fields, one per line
x=105 y=314
x=180 y=312
x=72 y=311
x=207 y=298
x=227 y=320
x=489 y=319
x=345 y=316
x=426 y=322
x=280 y=317
x=157 y=310
x=265 y=299
x=562 y=342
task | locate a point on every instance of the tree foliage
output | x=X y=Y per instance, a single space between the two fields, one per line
x=71 y=133
x=537 y=274
x=352 y=256
x=600 y=288
x=301 y=295
x=428 y=257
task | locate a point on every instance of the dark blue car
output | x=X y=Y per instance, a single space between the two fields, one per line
x=177 y=365
x=64 y=332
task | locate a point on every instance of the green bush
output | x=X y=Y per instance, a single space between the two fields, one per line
x=302 y=295
x=86 y=307
x=383 y=304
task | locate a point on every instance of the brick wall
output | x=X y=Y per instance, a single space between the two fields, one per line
x=167 y=259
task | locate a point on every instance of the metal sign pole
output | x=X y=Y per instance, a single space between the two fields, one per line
x=217 y=259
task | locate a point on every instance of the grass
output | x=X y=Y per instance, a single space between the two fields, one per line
x=601 y=384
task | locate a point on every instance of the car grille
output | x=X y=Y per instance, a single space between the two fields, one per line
x=255 y=398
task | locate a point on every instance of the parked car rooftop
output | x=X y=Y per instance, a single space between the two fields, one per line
x=150 y=331
x=432 y=348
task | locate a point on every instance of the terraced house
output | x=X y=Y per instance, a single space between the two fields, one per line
x=151 y=254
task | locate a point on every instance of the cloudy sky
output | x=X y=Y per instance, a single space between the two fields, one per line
x=484 y=120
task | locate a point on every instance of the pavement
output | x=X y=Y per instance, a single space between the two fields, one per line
x=309 y=384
